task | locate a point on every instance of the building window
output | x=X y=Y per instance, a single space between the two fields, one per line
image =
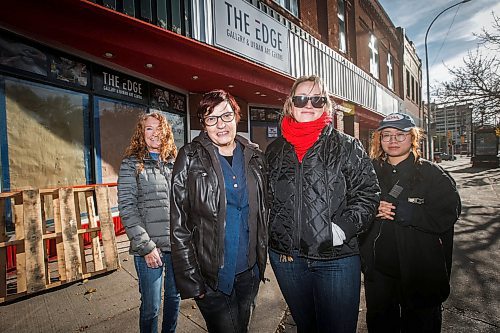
x=412 y=88
x=47 y=137
x=390 y=72
x=342 y=26
x=372 y=45
x=290 y=5
x=408 y=87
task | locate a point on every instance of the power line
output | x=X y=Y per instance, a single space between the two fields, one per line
x=446 y=36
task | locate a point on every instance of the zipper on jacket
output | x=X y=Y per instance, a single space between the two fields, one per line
x=299 y=204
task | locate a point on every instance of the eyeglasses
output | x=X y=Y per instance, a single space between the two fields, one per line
x=212 y=120
x=400 y=137
x=316 y=101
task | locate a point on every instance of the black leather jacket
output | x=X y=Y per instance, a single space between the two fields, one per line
x=335 y=183
x=198 y=210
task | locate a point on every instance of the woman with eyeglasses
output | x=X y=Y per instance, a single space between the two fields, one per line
x=219 y=217
x=323 y=192
x=407 y=251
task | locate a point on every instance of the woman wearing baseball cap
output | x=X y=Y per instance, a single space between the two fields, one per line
x=407 y=251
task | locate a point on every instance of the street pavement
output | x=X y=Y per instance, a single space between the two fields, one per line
x=110 y=303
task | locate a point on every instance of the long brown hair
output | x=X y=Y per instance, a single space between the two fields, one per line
x=138 y=147
x=378 y=154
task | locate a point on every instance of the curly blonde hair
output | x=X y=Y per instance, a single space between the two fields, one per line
x=288 y=106
x=378 y=154
x=138 y=147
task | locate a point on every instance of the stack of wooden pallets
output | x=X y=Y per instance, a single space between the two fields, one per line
x=38 y=215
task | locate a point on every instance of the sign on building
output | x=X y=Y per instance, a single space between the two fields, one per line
x=243 y=29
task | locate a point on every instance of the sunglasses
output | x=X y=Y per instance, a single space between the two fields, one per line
x=316 y=101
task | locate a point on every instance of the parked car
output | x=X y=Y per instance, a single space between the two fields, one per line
x=439 y=157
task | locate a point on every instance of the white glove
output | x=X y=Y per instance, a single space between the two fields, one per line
x=338 y=235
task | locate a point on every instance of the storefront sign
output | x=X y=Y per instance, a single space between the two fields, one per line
x=243 y=29
x=347 y=108
x=120 y=86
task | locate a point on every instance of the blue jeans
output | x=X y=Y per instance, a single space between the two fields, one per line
x=323 y=295
x=231 y=313
x=150 y=284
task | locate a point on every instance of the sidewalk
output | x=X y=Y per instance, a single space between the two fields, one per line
x=110 y=303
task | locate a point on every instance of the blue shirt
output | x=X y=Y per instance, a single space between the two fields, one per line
x=236 y=238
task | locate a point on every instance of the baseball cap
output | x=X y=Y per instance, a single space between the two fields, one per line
x=397 y=120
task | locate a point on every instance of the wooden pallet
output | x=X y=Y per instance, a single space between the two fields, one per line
x=34 y=271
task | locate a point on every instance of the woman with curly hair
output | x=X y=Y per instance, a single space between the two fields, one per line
x=407 y=251
x=144 y=205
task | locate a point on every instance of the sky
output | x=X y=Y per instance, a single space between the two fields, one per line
x=451 y=35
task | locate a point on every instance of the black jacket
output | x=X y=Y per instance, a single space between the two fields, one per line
x=417 y=246
x=198 y=210
x=335 y=183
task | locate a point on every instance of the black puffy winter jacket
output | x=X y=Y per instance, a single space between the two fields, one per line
x=335 y=183
x=198 y=211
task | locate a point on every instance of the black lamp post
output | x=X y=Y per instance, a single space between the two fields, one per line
x=428 y=125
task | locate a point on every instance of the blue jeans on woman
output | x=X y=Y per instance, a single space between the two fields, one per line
x=323 y=295
x=150 y=285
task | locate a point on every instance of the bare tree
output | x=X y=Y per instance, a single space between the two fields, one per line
x=478 y=81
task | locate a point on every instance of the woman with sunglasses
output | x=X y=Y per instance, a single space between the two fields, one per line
x=323 y=192
x=219 y=217
x=407 y=251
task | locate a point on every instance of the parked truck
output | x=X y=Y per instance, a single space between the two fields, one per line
x=486 y=150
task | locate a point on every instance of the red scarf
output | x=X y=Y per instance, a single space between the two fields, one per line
x=303 y=135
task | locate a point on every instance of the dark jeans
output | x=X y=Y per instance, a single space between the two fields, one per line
x=231 y=314
x=150 y=284
x=323 y=295
x=386 y=314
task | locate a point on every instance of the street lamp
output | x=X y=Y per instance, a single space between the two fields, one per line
x=428 y=125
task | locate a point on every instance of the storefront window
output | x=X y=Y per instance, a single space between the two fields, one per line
x=178 y=124
x=114 y=124
x=46 y=142
x=264 y=125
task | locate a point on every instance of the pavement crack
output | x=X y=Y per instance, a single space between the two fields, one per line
x=463 y=313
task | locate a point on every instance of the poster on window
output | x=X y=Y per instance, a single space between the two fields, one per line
x=67 y=70
x=272 y=131
x=160 y=99
x=22 y=56
x=178 y=102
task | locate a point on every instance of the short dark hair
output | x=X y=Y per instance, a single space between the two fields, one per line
x=213 y=98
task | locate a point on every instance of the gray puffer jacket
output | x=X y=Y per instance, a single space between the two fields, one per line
x=144 y=204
